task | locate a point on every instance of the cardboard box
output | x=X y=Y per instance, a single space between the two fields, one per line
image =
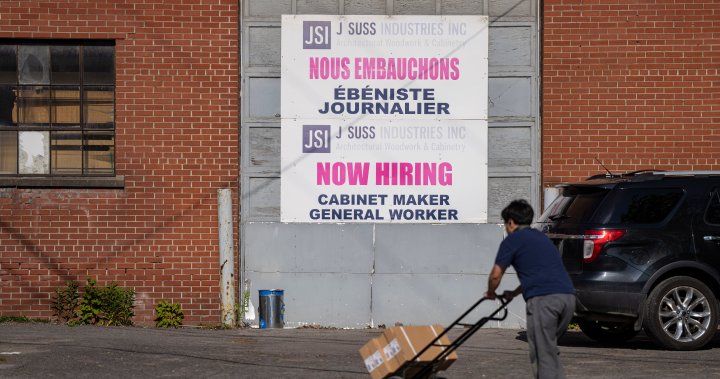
x=404 y=342
x=378 y=364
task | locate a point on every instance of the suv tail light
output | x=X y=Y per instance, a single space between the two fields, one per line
x=595 y=240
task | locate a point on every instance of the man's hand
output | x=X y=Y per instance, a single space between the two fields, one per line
x=508 y=295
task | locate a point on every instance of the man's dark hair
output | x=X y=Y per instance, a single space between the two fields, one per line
x=520 y=211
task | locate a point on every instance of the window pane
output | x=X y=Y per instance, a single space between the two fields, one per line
x=712 y=213
x=65 y=64
x=99 y=65
x=99 y=153
x=645 y=206
x=99 y=107
x=8 y=109
x=574 y=205
x=8 y=152
x=65 y=107
x=66 y=150
x=8 y=64
x=34 y=153
x=34 y=64
x=33 y=105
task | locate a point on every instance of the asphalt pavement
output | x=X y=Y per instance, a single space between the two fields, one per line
x=35 y=350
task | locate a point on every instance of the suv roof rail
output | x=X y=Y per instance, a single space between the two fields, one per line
x=687 y=173
x=624 y=175
x=655 y=173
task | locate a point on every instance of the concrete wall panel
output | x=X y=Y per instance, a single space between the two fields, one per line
x=414 y=7
x=264 y=8
x=339 y=300
x=264 y=49
x=435 y=249
x=265 y=102
x=504 y=190
x=462 y=7
x=510 y=97
x=503 y=147
x=511 y=8
x=264 y=151
x=264 y=197
x=437 y=298
x=365 y=6
x=510 y=46
x=310 y=248
x=318 y=6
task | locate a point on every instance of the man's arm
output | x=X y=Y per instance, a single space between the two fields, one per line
x=496 y=274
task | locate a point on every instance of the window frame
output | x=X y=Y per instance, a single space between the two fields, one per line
x=82 y=177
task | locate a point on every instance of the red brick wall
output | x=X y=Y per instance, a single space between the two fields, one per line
x=177 y=144
x=633 y=83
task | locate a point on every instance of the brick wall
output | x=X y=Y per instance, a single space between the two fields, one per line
x=176 y=145
x=635 y=84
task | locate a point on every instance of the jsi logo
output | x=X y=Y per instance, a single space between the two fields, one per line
x=316 y=34
x=316 y=138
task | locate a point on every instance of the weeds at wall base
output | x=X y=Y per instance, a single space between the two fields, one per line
x=110 y=306
x=23 y=320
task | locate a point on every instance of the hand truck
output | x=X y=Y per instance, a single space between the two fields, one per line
x=428 y=370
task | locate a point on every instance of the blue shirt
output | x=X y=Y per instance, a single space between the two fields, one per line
x=537 y=262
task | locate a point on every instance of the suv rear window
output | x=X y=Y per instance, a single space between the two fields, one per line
x=574 y=205
x=643 y=205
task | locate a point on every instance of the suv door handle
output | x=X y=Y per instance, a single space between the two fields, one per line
x=711 y=238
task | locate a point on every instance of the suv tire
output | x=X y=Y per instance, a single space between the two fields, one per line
x=681 y=314
x=608 y=332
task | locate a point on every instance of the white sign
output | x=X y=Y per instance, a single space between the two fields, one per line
x=384 y=119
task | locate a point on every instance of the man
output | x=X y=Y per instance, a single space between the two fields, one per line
x=544 y=283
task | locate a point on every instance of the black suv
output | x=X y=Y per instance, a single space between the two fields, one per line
x=643 y=251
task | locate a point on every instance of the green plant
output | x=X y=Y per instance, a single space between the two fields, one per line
x=109 y=305
x=169 y=315
x=90 y=304
x=66 y=301
x=118 y=305
x=240 y=309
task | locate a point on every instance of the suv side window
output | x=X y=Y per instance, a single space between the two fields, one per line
x=645 y=205
x=712 y=213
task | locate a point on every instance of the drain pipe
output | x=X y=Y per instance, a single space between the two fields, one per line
x=227 y=260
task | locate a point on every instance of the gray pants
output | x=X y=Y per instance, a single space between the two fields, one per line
x=547 y=319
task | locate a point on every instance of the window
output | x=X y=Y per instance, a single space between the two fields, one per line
x=712 y=213
x=645 y=206
x=574 y=205
x=57 y=108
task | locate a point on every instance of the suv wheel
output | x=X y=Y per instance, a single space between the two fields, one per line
x=608 y=332
x=681 y=314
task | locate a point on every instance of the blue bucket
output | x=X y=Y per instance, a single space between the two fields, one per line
x=271 y=309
